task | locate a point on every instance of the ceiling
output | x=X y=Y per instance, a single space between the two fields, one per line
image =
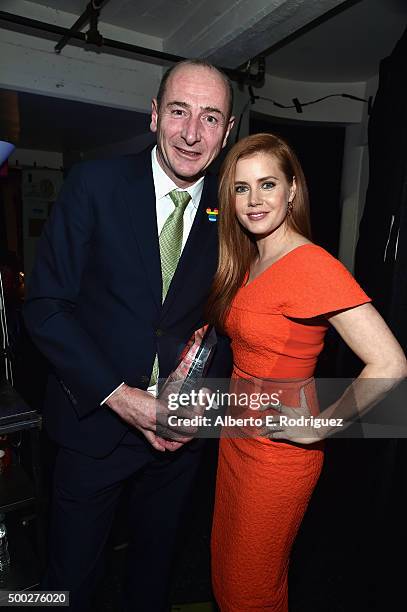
x=346 y=47
x=154 y=17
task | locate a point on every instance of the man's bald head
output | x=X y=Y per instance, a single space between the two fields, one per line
x=198 y=63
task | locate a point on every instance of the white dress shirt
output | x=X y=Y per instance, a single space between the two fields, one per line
x=163 y=203
x=164 y=207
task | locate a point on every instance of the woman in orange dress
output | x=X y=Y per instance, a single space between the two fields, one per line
x=275 y=293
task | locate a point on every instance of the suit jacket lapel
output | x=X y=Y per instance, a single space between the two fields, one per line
x=139 y=194
x=201 y=231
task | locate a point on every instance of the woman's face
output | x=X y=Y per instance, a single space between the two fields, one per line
x=262 y=194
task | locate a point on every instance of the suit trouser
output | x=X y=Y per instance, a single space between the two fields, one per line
x=86 y=492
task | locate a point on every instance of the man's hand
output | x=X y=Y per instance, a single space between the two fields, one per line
x=139 y=409
x=179 y=427
x=146 y=413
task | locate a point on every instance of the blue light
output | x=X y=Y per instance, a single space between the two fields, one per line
x=5 y=149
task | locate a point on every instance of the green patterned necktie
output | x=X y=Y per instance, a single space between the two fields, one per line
x=170 y=249
x=171 y=238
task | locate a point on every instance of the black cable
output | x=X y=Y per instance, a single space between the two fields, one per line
x=298 y=105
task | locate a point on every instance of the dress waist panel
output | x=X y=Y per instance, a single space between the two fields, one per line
x=260 y=391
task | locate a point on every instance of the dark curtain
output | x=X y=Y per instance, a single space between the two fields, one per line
x=381 y=255
x=381 y=269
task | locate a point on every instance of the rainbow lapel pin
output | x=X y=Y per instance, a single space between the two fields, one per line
x=212 y=214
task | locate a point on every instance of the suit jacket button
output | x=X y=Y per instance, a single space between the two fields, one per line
x=159 y=332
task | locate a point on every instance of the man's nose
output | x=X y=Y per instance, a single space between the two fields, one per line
x=191 y=132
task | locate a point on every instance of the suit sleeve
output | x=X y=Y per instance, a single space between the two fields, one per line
x=79 y=362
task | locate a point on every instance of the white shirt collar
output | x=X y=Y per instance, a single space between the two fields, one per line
x=163 y=184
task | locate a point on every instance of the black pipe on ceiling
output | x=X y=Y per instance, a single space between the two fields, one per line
x=91 y=13
x=31 y=26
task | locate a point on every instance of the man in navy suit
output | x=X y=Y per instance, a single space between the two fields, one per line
x=95 y=309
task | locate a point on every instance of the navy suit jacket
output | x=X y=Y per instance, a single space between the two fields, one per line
x=94 y=300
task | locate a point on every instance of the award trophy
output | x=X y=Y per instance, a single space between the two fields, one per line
x=184 y=380
x=193 y=365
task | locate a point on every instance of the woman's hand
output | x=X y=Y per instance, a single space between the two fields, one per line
x=292 y=424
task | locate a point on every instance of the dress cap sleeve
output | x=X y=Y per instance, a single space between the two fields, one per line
x=317 y=284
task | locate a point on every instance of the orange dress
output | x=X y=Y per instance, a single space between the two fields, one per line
x=263 y=487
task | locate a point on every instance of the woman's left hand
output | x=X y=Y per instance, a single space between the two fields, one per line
x=293 y=424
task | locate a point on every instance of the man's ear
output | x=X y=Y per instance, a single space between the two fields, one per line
x=231 y=123
x=154 y=115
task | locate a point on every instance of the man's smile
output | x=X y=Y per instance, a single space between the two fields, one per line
x=187 y=153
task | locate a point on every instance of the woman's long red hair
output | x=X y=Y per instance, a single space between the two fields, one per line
x=237 y=249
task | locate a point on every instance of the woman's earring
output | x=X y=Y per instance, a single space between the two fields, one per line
x=289 y=207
